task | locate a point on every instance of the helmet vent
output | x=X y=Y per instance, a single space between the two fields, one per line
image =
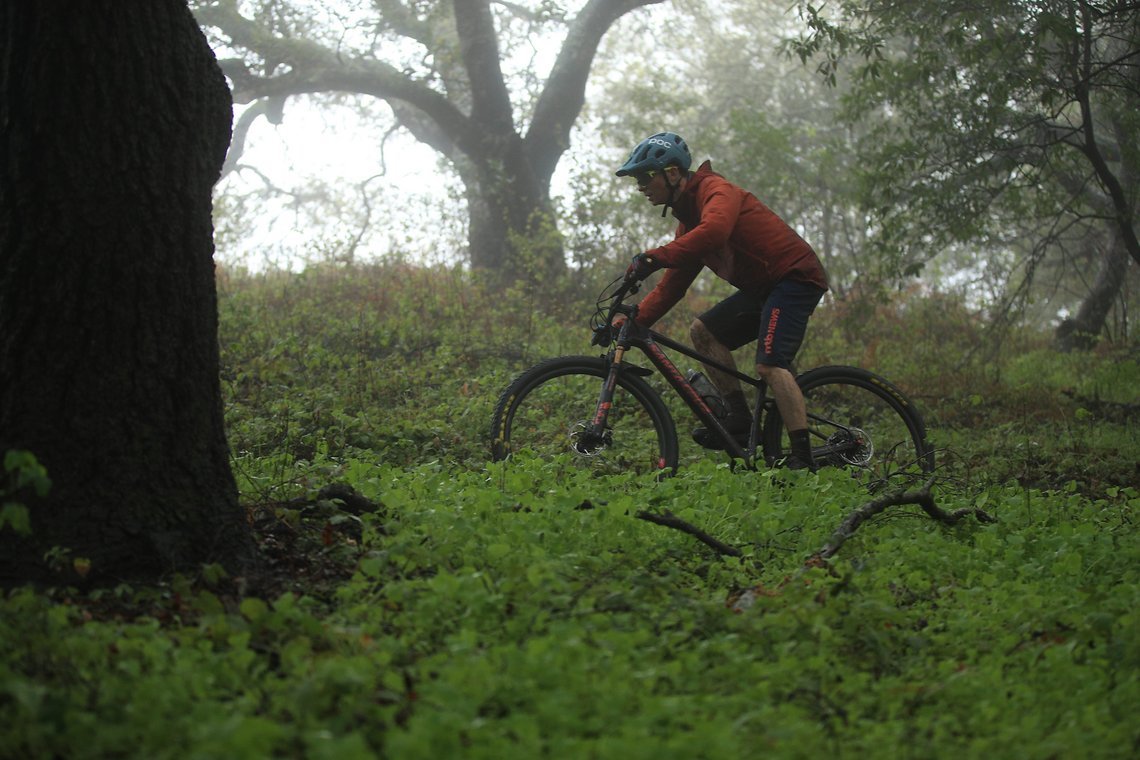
x=656 y=153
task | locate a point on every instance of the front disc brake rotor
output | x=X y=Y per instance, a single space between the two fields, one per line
x=585 y=443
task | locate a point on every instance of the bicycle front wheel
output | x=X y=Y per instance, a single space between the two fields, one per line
x=858 y=420
x=544 y=413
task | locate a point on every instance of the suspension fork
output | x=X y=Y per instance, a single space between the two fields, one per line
x=597 y=426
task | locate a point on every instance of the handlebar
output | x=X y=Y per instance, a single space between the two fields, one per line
x=602 y=323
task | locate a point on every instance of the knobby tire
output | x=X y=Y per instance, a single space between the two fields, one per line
x=840 y=400
x=542 y=411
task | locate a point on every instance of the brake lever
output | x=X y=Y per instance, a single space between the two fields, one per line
x=603 y=334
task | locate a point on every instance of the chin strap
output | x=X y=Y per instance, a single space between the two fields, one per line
x=672 y=195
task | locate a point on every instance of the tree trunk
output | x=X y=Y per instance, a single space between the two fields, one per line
x=114 y=122
x=1082 y=331
x=512 y=232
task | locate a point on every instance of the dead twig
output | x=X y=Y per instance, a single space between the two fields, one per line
x=922 y=497
x=669 y=520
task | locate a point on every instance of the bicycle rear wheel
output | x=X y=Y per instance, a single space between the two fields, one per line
x=545 y=411
x=857 y=420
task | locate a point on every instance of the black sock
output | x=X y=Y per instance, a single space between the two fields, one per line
x=801 y=445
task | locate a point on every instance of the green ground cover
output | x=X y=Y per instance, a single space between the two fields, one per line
x=476 y=610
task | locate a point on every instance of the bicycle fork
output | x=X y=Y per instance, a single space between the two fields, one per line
x=597 y=426
x=596 y=434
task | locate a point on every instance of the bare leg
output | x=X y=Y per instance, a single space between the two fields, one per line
x=704 y=342
x=789 y=398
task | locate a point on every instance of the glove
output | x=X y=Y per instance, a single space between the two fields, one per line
x=642 y=266
x=605 y=334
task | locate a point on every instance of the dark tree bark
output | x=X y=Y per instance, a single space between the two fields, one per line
x=1083 y=330
x=114 y=124
x=461 y=108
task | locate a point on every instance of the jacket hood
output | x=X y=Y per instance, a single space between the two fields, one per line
x=685 y=209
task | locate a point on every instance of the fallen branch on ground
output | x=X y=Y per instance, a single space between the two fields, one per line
x=669 y=520
x=922 y=497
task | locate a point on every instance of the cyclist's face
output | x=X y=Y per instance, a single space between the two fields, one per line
x=653 y=186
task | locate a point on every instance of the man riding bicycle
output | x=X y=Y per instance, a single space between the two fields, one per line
x=779 y=281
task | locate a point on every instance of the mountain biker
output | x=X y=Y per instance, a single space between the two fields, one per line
x=779 y=281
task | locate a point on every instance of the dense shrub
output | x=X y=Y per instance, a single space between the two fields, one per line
x=481 y=610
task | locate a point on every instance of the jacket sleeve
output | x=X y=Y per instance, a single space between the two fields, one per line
x=719 y=207
x=665 y=294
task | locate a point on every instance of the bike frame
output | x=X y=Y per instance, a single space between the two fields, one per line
x=649 y=343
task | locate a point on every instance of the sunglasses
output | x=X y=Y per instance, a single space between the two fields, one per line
x=644 y=178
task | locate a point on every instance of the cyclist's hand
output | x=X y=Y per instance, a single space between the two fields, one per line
x=641 y=267
x=604 y=334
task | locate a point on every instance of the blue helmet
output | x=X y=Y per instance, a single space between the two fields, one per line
x=656 y=152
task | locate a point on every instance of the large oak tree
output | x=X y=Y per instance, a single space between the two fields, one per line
x=114 y=124
x=440 y=68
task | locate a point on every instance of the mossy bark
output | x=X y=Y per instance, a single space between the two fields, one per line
x=114 y=124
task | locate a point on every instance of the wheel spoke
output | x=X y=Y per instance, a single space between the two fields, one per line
x=860 y=422
x=546 y=414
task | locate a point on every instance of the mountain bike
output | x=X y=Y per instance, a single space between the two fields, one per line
x=602 y=411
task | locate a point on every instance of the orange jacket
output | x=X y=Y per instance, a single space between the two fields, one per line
x=727 y=229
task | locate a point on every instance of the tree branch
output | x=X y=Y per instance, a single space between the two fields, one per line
x=565 y=91
x=921 y=497
x=1124 y=214
x=397 y=17
x=479 y=48
x=860 y=515
x=669 y=520
x=270 y=108
x=314 y=68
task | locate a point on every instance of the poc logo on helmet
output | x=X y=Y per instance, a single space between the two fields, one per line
x=659 y=141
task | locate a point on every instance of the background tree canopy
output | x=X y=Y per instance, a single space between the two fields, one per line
x=1011 y=127
x=261 y=504
x=450 y=75
x=877 y=129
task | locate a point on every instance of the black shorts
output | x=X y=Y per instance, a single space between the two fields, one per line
x=778 y=319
